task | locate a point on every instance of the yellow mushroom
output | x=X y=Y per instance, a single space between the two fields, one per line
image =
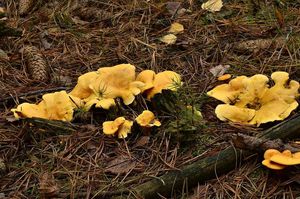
x=54 y=106
x=117 y=81
x=147 y=77
x=164 y=80
x=268 y=163
x=119 y=126
x=147 y=119
x=253 y=96
x=270 y=152
x=82 y=89
x=228 y=93
x=235 y=114
x=285 y=160
x=224 y=77
x=273 y=165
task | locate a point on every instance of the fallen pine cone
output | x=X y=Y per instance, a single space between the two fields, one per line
x=36 y=63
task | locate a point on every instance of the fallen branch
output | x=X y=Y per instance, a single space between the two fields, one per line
x=261 y=144
x=211 y=167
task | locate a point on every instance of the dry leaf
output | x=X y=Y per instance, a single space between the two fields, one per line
x=212 y=5
x=168 y=39
x=176 y=28
x=142 y=141
x=120 y=165
x=219 y=70
x=173 y=7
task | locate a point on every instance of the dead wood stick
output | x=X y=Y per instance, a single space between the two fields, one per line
x=31 y=94
x=211 y=167
x=242 y=141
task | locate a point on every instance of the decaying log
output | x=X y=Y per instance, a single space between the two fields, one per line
x=211 y=167
x=251 y=143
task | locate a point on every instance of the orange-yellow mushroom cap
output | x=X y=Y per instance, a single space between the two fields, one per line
x=147 y=119
x=164 y=80
x=147 y=77
x=119 y=126
x=117 y=81
x=285 y=160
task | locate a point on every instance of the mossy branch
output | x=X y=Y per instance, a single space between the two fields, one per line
x=211 y=167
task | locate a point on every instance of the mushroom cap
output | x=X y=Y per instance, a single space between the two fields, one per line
x=224 y=77
x=255 y=88
x=273 y=165
x=285 y=90
x=54 y=106
x=285 y=160
x=270 y=152
x=147 y=77
x=228 y=93
x=117 y=81
x=104 y=103
x=235 y=114
x=119 y=126
x=26 y=110
x=147 y=119
x=164 y=80
x=272 y=111
x=124 y=129
x=111 y=127
x=82 y=89
x=58 y=106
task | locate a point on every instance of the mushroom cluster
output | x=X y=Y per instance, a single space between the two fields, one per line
x=250 y=100
x=277 y=160
x=100 y=89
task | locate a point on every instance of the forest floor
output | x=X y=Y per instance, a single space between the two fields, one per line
x=251 y=36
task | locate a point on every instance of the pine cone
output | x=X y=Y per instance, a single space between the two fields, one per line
x=36 y=64
x=25 y=6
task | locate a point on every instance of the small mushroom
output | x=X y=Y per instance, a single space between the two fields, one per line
x=285 y=160
x=119 y=126
x=268 y=163
x=147 y=119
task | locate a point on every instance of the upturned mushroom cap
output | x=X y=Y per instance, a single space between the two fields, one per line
x=147 y=119
x=117 y=81
x=147 y=77
x=119 y=126
x=235 y=114
x=164 y=80
x=224 y=77
x=82 y=89
x=285 y=160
